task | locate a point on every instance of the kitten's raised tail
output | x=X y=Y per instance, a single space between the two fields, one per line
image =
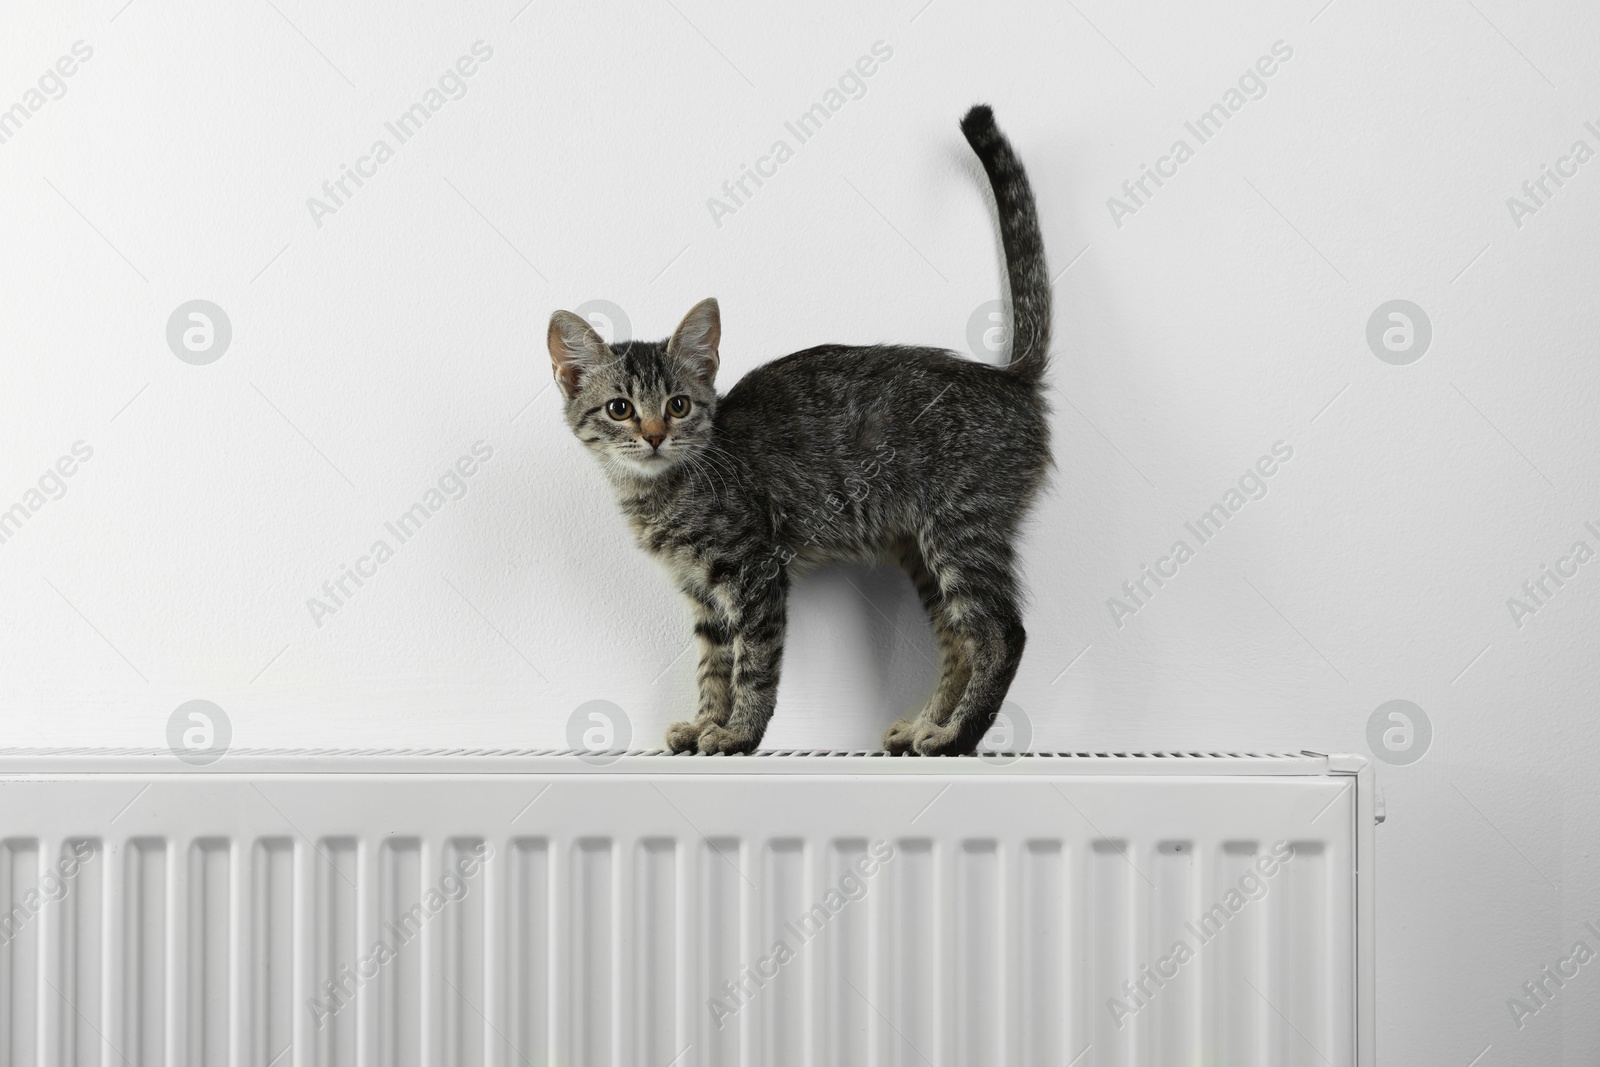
x=1019 y=234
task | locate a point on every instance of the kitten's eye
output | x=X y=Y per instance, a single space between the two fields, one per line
x=678 y=407
x=619 y=409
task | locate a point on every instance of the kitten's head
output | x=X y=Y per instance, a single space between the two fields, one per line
x=641 y=406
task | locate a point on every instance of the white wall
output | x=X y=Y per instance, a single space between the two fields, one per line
x=1228 y=313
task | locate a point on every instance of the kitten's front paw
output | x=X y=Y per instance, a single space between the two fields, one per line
x=684 y=736
x=898 y=738
x=719 y=740
x=932 y=739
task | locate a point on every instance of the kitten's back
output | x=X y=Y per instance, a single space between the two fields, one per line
x=907 y=427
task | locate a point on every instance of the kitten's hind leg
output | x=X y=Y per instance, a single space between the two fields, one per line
x=714 y=679
x=978 y=586
x=954 y=669
x=759 y=620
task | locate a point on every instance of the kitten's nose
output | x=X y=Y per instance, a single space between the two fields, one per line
x=655 y=439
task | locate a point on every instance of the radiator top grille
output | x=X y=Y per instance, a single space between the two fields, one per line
x=580 y=753
x=512 y=760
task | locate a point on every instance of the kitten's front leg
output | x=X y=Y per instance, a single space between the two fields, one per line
x=758 y=627
x=714 y=679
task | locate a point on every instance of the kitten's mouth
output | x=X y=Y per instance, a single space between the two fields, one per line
x=651 y=463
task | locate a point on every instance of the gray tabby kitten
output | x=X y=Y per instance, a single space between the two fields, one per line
x=837 y=453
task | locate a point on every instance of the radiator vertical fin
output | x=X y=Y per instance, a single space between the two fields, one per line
x=1042 y=938
x=19 y=949
x=81 y=968
x=272 y=950
x=979 y=988
x=335 y=991
x=531 y=959
x=914 y=978
x=723 y=1022
x=591 y=960
x=144 y=981
x=655 y=964
x=209 y=959
x=778 y=988
x=462 y=953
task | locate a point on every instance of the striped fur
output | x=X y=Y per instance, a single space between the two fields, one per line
x=895 y=453
x=1019 y=236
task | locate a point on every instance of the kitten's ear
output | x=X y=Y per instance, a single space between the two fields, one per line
x=694 y=343
x=575 y=349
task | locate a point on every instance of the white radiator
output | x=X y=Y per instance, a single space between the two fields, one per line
x=387 y=909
